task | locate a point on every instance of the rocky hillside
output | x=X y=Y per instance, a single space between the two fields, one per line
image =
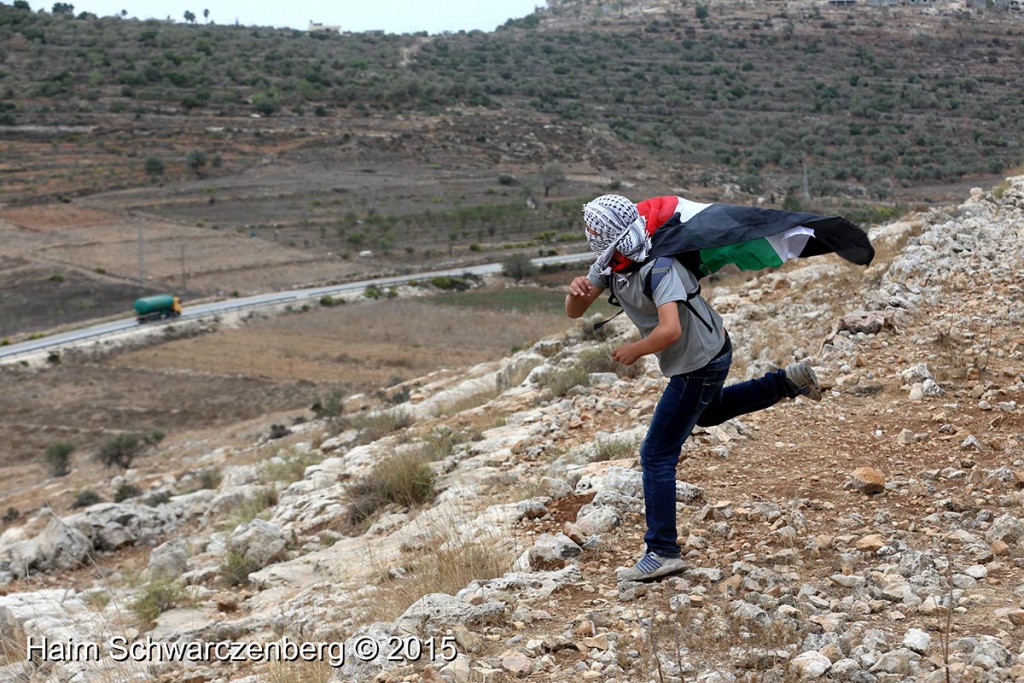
x=875 y=536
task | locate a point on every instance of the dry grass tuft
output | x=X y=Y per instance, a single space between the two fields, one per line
x=404 y=480
x=376 y=425
x=298 y=672
x=447 y=565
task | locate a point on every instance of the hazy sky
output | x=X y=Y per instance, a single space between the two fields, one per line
x=393 y=16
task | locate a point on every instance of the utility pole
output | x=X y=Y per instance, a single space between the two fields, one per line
x=807 y=187
x=142 y=255
x=184 y=273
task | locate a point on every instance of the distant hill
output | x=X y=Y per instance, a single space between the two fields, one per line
x=870 y=100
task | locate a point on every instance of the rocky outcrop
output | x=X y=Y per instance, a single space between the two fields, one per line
x=836 y=554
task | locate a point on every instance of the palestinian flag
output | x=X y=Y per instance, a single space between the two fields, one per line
x=706 y=237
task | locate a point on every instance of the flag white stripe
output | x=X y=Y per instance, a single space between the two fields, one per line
x=789 y=244
x=688 y=209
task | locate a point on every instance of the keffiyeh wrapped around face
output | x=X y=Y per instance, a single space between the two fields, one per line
x=614 y=224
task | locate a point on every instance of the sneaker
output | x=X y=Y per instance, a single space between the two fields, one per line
x=650 y=566
x=803 y=380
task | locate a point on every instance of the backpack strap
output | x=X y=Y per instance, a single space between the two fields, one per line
x=613 y=301
x=662 y=266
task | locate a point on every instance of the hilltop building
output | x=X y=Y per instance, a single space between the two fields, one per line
x=317 y=27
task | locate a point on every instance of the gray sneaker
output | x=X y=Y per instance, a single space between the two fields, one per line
x=803 y=380
x=650 y=566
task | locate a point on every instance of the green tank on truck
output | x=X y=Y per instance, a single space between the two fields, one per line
x=157 y=307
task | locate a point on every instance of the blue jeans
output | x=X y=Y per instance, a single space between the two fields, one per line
x=694 y=398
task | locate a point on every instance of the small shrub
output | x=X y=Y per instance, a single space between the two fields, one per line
x=327 y=301
x=122 y=449
x=518 y=267
x=155 y=500
x=195 y=160
x=53 y=358
x=372 y=292
x=11 y=515
x=439 y=444
x=449 y=562
x=58 y=458
x=251 y=508
x=235 y=568
x=327 y=407
x=57 y=277
x=614 y=448
x=450 y=283
x=126 y=491
x=156 y=598
x=278 y=431
x=85 y=499
x=600 y=359
x=405 y=480
x=210 y=478
x=373 y=426
x=561 y=380
x=154 y=167
x=288 y=469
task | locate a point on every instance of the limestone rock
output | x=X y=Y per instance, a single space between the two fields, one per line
x=260 y=542
x=868 y=480
x=810 y=666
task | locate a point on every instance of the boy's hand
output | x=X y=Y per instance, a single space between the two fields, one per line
x=581 y=286
x=627 y=354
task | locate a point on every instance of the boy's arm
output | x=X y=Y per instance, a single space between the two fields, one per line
x=665 y=333
x=582 y=293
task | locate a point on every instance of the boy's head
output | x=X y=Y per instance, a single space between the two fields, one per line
x=614 y=224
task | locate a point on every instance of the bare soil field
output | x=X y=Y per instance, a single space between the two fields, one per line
x=65 y=264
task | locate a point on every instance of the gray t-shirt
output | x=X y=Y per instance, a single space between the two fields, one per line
x=697 y=345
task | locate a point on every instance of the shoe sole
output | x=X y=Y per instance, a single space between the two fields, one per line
x=657 y=574
x=809 y=379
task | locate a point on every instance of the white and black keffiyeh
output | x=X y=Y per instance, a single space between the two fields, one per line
x=614 y=224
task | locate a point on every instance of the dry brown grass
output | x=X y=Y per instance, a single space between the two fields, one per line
x=447 y=565
x=357 y=346
x=13 y=648
x=298 y=672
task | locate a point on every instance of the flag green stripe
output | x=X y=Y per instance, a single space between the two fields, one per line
x=752 y=255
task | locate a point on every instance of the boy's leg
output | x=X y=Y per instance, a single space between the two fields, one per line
x=757 y=394
x=683 y=400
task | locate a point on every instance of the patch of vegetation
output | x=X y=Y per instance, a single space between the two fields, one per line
x=614 y=448
x=252 y=507
x=58 y=458
x=560 y=380
x=155 y=598
x=278 y=431
x=210 y=478
x=155 y=500
x=447 y=283
x=329 y=406
x=518 y=267
x=85 y=499
x=449 y=562
x=289 y=468
x=404 y=480
x=122 y=449
x=328 y=301
x=377 y=425
x=236 y=568
x=126 y=491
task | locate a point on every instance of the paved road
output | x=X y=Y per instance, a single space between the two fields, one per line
x=89 y=334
